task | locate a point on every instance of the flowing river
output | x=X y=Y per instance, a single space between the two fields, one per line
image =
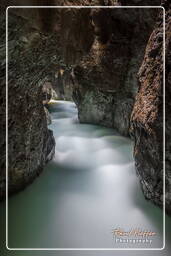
x=89 y=189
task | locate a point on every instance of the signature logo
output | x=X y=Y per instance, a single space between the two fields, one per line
x=133 y=236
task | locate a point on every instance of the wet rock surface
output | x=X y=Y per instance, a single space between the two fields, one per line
x=168 y=106
x=105 y=80
x=147 y=117
x=30 y=142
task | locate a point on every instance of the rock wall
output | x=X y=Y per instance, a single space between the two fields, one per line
x=2 y=106
x=147 y=117
x=105 y=80
x=30 y=142
x=168 y=107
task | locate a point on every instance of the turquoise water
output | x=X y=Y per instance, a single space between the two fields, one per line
x=86 y=191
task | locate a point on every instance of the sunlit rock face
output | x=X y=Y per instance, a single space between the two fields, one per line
x=47 y=92
x=147 y=117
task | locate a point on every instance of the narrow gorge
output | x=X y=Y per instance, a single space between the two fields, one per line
x=85 y=114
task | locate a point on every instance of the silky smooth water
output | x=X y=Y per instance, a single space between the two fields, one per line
x=88 y=189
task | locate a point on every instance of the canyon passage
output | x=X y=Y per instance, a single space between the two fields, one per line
x=98 y=166
x=89 y=188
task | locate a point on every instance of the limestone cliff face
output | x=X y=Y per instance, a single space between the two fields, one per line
x=105 y=80
x=147 y=117
x=102 y=50
x=168 y=106
x=30 y=142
